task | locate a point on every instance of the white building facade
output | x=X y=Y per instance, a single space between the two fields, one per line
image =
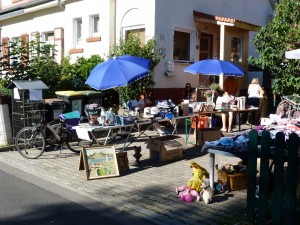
x=188 y=31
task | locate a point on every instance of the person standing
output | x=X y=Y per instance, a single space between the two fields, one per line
x=224 y=97
x=254 y=93
x=231 y=86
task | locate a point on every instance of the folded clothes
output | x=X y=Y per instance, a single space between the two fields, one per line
x=226 y=141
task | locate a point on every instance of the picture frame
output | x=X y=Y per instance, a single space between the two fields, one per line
x=100 y=162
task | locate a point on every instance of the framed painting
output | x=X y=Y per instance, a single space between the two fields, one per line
x=100 y=162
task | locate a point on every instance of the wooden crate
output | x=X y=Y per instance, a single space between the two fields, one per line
x=235 y=181
x=122 y=160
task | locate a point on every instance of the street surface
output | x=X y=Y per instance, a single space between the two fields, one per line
x=27 y=199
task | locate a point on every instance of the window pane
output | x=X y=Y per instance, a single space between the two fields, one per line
x=140 y=33
x=236 y=49
x=79 y=27
x=95 y=24
x=181 y=46
x=49 y=37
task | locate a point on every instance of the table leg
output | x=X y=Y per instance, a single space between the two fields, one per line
x=251 y=117
x=211 y=169
x=127 y=138
x=239 y=115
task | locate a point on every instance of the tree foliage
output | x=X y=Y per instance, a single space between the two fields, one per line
x=32 y=60
x=75 y=74
x=133 y=46
x=280 y=35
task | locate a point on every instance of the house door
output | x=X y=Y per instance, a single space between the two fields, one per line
x=206 y=52
x=206 y=46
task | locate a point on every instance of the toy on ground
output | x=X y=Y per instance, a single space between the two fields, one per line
x=190 y=192
x=207 y=192
x=187 y=194
x=199 y=174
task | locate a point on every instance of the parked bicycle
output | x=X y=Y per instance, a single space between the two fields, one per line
x=31 y=141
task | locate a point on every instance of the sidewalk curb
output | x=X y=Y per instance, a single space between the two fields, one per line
x=6 y=148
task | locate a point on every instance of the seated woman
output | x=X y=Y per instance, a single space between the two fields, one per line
x=224 y=97
x=137 y=105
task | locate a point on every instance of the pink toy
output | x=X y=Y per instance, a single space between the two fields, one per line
x=187 y=194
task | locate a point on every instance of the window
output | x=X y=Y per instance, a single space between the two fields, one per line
x=236 y=49
x=94 y=25
x=48 y=43
x=184 y=39
x=140 y=33
x=15 y=46
x=48 y=37
x=77 y=32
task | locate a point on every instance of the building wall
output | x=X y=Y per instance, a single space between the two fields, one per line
x=159 y=17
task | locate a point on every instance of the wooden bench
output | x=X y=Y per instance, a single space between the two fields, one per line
x=275 y=203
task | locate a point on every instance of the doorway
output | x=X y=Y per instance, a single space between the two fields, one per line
x=206 y=52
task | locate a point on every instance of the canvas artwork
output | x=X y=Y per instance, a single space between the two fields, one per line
x=100 y=162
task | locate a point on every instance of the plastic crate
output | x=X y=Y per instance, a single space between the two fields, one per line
x=235 y=181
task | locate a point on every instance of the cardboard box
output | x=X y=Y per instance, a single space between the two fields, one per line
x=166 y=148
x=208 y=134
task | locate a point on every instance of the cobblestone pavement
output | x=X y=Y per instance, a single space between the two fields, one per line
x=146 y=191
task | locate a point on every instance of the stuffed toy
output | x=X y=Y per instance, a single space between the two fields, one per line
x=187 y=194
x=199 y=173
x=190 y=192
x=207 y=192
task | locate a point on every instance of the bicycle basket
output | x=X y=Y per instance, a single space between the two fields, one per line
x=71 y=119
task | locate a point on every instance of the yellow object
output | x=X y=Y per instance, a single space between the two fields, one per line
x=199 y=175
x=68 y=93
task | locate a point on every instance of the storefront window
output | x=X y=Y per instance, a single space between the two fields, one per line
x=236 y=49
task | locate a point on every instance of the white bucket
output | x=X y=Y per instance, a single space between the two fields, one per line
x=241 y=102
x=5 y=126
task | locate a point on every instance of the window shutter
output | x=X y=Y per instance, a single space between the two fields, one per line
x=25 y=53
x=5 y=52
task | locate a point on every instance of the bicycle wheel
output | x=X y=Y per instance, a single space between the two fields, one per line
x=75 y=144
x=30 y=143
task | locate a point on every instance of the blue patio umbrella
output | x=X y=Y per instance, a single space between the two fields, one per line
x=118 y=71
x=215 y=67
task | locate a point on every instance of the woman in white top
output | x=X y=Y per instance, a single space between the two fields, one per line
x=224 y=97
x=254 y=93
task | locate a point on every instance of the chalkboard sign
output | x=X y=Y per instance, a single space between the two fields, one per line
x=100 y=162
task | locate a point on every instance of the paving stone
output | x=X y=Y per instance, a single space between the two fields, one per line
x=147 y=191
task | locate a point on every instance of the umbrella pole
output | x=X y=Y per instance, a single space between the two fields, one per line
x=203 y=81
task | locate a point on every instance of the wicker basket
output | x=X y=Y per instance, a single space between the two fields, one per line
x=235 y=181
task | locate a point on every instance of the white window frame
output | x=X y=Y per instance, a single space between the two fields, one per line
x=45 y=40
x=45 y=36
x=192 y=33
x=77 y=27
x=94 y=33
x=14 y=40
